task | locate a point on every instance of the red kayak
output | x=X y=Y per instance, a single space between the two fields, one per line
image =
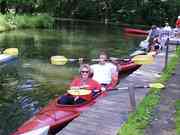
x=136 y=31
x=56 y=116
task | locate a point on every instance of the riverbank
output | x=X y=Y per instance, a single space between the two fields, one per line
x=111 y=112
x=107 y=22
x=11 y=21
x=164 y=119
x=144 y=114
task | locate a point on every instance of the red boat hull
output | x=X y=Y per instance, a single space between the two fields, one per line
x=57 y=116
x=136 y=31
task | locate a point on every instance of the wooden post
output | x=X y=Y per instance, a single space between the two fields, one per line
x=132 y=97
x=166 y=56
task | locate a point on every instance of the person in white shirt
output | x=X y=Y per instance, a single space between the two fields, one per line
x=153 y=33
x=166 y=32
x=104 y=72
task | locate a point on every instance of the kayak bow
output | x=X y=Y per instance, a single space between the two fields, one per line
x=56 y=116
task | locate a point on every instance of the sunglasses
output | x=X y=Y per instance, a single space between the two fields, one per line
x=84 y=71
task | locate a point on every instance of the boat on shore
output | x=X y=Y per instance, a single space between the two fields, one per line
x=56 y=116
x=136 y=31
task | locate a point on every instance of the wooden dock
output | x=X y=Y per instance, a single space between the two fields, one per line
x=111 y=111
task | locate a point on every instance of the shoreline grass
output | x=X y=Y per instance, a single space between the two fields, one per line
x=11 y=21
x=178 y=117
x=139 y=120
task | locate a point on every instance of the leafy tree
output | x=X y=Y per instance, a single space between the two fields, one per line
x=137 y=11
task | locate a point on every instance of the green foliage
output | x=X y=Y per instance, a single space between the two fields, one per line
x=140 y=119
x=28 y=21
x=10 y=21
x=4 y=25
x=178 y=117
x=171 y=67
x=86 y=10
x=125 y=11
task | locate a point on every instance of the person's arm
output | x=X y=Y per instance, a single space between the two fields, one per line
x=95 y=86
x=114 y=78
x=98 y=86
x=75 y=83
x=81 y=61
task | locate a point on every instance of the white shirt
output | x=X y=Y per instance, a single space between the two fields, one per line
x=167 y=28
x=165 y=33
x=102 y=73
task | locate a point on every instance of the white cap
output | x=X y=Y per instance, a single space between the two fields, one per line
x=179 y=17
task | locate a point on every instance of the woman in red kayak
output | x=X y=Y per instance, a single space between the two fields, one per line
x=84 y=81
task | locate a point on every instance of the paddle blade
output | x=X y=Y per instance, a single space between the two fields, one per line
x=40 y=131
x=156 y=85
x=58 y=60
x=79 y=92
x=11 y=51
x=143 y=59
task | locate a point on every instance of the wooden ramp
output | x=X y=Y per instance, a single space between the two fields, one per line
x=111 y=111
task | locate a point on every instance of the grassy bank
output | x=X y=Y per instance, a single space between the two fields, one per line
x=139 y=120
x=178 y=117
x=11 y=21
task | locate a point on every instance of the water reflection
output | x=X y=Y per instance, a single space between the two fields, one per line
x=36 y=81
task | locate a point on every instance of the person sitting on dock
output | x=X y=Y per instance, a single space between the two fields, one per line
x=104 y=72
x=154 y=44
x=154 y=39
x=84 y=81
x=154 y=32
x=166 y=32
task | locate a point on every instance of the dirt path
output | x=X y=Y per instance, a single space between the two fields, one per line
x=163 y=122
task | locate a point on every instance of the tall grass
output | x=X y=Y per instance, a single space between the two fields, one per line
x=11 y=21
x=178 y=117
x=29 y=21
x=4 y=25
x=139 y=120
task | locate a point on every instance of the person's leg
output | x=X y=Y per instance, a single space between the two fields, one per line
x=66 y=100
x=80 y=101
x=95 y=94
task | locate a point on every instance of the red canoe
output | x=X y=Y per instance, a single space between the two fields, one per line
x=136 y=31
x=56 y=116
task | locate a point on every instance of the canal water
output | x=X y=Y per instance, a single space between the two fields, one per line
x=30 y=82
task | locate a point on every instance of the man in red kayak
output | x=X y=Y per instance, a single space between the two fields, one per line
x=105 y=72
x=84 y=81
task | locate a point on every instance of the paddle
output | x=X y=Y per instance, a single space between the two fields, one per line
x=151 y=85
x=11 y=51
x=139 y=59
x=38 y=131
x=79 y=92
